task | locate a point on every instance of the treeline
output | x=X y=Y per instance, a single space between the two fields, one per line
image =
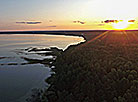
x=94 y=72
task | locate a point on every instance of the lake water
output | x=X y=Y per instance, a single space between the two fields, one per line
x=16 y=79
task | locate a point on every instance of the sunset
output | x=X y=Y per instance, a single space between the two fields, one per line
x=59 y=15
x=68 y=50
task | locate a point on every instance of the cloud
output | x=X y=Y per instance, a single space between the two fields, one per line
x=116 y=21
x=28 y=22
x=79 y=22
x=110 y=21
x=131 y=20
x=20 y=22
x=51 y=26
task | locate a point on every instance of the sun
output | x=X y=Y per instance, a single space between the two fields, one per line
x=122 y=25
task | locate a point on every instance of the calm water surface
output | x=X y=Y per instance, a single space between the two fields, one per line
x=17 y=80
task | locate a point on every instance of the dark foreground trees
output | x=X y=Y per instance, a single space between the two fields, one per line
x=95 y=72
x=95 y=76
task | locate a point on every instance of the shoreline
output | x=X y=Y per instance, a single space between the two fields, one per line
x=98 y=71
x=58 y=53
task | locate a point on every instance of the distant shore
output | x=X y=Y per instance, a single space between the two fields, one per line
x=79 y=33
x=57 y=31
x=62 y=32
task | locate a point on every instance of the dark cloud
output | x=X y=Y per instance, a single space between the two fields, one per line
x=82 y=22
x=33 y=22
x=116 y=21
x=28 y=22
x=110 y=21
x=79 y=22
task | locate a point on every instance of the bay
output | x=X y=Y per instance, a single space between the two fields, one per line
x=17 y=80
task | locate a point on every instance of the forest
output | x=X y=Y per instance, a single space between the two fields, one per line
x=103 y=69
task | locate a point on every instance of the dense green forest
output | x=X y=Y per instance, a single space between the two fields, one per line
x=104 y=69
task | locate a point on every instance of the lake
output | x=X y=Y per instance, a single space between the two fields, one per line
x=18 y=79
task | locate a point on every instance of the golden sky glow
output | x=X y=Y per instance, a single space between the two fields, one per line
x=61 y=14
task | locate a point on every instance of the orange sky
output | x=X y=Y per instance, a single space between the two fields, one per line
x=67 y=14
